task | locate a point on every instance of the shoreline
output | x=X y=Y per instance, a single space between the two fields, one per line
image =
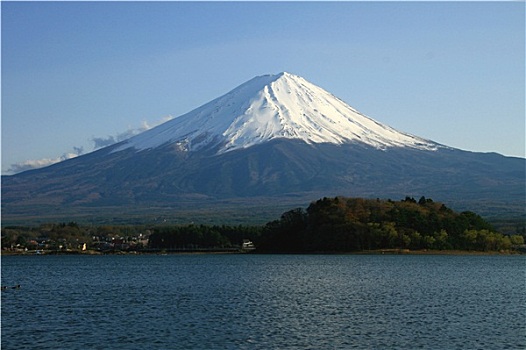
x=238 y=251
x=437 y=252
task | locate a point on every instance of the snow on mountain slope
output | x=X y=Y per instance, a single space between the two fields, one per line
x=269 y=107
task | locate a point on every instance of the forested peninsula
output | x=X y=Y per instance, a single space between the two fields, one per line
x=355 y=224
x=328 y=225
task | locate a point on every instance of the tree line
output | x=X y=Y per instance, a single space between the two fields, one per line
x=355 y=224
x=202 y=236
x=72 y=236
x=336 y=224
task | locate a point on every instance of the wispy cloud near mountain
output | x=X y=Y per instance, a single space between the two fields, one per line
x=98 y=142
x=39 y=163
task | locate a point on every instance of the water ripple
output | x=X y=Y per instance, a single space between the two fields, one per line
x=264 y=302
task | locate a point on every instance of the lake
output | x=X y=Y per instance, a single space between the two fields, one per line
x=245 y=301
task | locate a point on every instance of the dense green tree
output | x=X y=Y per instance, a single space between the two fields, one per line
x=516 y=240
x=351 y=224
x=286 y=234
x=200 y=236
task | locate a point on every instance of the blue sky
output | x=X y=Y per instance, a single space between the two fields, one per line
x=77 y=75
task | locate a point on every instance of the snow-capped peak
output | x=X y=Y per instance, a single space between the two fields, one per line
x=270 y=107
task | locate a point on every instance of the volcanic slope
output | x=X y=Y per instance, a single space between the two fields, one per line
x=272 y=107
x=274 y=139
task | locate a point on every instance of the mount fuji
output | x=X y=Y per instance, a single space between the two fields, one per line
x=272 y=107
x=274 y=140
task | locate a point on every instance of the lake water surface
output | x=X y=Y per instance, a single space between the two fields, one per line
x=247 y=301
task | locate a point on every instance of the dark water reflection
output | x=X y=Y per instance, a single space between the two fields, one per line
x=264 y=302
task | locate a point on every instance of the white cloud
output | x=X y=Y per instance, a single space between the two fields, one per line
x=38 y=163
x=99 y=142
